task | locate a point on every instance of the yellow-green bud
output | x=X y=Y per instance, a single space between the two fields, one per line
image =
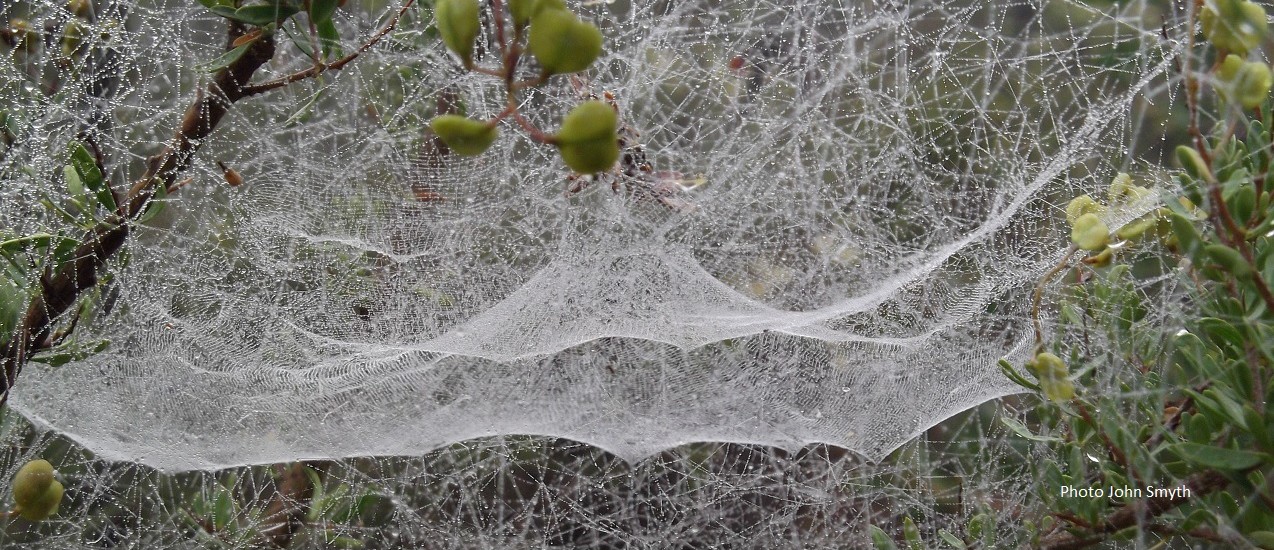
x=1101 y=259
x=1090 y=233
x=588 y=141
x=1118 y=186
x=44 y=505
x=36 y=493
x=523 y=10
x=1053 y=375
x=1081 y=205
x=458 y=25
x=1122 y=190
x=32 y=479
x=1244 y=82
x=464 y=136
x=1236 y=26
x=562 y=43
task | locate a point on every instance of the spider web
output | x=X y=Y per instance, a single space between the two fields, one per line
x=846 y=207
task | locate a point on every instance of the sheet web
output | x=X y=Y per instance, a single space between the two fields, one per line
x=848 y=205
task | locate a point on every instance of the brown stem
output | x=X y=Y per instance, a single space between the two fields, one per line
x=497 y=13
x=510 y=109
x=1238 y=241
x=1258 y=381
x=60 y=289
x=1039 y=295
x=535 y=133
x=1115 y=453
x=1186 y=404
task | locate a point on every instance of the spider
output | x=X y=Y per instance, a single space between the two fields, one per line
x=634 y=173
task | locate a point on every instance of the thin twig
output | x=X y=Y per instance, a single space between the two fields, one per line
x=1039 y=294
x=535 y=133
x=1115 y=453
x=333 y=66
x=497 y=10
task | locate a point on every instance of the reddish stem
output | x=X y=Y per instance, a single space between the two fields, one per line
x=497 y=10
x=535 y=133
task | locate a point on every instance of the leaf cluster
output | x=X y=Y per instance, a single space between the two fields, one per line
x=1173 y=407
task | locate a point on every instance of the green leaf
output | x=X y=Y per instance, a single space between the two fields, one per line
x=982 y=526
x=1242 y=202
x=1196 y=427
x=214 y=3
x=305 y=110
x=13 y=302
x=156 y=203
x=299 y=39
x=223 y=509
x=264 y=15
x=62 y=355
x=66 y=216
x=86 y=165
x=354 y=510
x=1232 y=409
x=316 y=482
x=1230 y=259
x=1221 y=333
x=322 y=10
x=1256 y=426
x=330 y=38
x=227 y=58
x=224 y=10
x=64 y=249
x=911 y=533
x=28 y=242
x=1262 y=539
x=259 y=15
x=951 y=540
x=74 y=184
x=1193 y=164
x=1218 y=457
x=1022 y=431
x=880 y=539
x=1195 y=519
x=1187 y=236
x=1209 y=408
